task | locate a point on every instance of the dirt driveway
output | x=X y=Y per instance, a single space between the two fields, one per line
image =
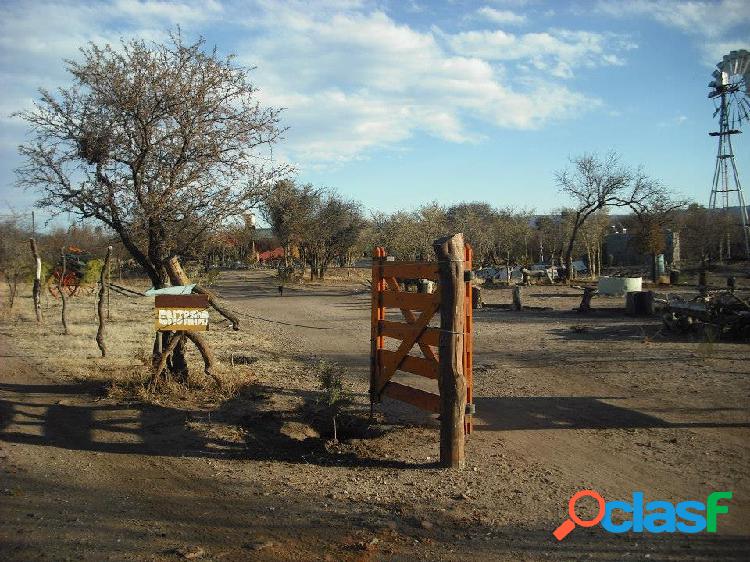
x=564 y=403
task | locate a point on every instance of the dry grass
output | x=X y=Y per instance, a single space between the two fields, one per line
x=125 y=371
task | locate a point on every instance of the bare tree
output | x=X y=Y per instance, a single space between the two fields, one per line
x=15 y=265
x=652 y=217
x=703 y=232
x=592 y=235
x=476 y=221
x=289 y=209
x=335 y=229
x=323 y=225
x=596 y=183
x=159 y=142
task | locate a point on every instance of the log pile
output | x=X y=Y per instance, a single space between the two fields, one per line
x=724 y=312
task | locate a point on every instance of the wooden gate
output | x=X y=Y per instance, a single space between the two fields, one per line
x=417 y=310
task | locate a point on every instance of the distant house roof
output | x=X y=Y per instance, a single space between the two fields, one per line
x=271 y=254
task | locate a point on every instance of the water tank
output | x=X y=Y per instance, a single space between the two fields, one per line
x=615 y=286
x=660 y=267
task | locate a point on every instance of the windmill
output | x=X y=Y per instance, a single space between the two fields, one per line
x=730 y=88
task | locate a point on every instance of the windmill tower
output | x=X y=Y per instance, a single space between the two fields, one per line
x=730 y=88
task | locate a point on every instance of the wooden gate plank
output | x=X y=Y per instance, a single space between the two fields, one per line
x=411 y=270
x=410 y=364
x=411 y=319
x=420 y=398
x=409 y=301
x=406 y=344
x=399 y=330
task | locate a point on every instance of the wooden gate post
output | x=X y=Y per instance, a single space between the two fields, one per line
x=378 y=315
x=451 y=380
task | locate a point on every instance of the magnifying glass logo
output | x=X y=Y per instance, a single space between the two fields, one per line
x=569 y=524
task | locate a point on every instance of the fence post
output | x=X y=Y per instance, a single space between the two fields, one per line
x=37 y=290
x=378 y=314
x=452 y=383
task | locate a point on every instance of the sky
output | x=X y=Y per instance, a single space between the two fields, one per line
x=400 y=103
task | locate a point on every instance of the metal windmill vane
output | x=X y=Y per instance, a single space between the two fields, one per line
x=731 y=88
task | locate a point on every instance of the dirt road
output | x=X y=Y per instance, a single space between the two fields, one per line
x=564 y=403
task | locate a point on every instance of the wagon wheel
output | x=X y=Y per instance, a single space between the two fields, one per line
x=70 y=283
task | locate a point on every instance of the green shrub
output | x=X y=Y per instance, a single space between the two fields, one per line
x=93 y=271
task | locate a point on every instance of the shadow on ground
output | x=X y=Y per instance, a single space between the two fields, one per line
x=64 y=416
x=557 y=412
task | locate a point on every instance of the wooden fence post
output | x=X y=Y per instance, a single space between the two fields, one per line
x=37 y=291
x=103 y=289
x=452 y=383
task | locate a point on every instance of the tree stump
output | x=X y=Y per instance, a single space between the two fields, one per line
x=517 y=302
x=588 y=294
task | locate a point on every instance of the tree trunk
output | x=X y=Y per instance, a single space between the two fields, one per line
x=37 y=291
x=178 y=362
x=103 y=290
x=12 y=289
x=451 y=378
x=588 y=294
x=569 y=252
x=517 y=302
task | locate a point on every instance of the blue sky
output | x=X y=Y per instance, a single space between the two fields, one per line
x=398 y=103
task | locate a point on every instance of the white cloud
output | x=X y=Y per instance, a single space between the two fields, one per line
x=352 y=78
x=558 y=52
x=720 y=26
x=711 y=19
x=354 y=81
x=501 y=16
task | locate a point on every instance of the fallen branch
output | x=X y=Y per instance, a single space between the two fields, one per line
x=228 y=314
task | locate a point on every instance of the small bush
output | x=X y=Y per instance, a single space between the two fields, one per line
x=334 y=396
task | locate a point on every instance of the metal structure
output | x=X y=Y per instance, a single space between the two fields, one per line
x=76 y=261
x=731 y=87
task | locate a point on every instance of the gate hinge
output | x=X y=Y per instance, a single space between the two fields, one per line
x=468 y=276
x=471 y=409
